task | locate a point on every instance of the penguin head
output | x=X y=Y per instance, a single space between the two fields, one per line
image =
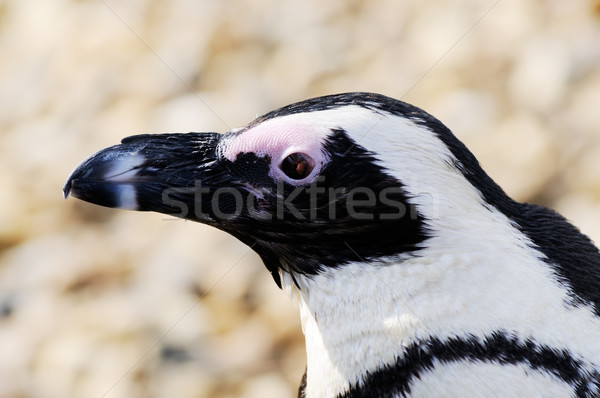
x=313 y=185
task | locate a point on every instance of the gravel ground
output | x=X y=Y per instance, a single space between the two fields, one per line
x=105 y=303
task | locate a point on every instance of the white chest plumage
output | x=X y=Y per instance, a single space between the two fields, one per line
x=351 y=332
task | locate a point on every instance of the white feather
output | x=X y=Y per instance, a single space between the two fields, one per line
x=459 y=380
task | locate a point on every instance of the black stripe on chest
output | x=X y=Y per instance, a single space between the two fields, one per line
x=500 y=348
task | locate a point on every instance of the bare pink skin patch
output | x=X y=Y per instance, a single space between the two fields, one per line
x=279 y=138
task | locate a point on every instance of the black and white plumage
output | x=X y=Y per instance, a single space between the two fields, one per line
x=432 y=282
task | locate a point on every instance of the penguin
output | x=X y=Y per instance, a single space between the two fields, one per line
x=414 y=273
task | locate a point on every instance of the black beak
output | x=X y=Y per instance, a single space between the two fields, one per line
x=151 y=172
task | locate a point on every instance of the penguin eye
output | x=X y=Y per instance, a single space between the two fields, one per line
x=297 y=165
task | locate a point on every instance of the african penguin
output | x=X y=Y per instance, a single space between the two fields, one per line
x=414 y=273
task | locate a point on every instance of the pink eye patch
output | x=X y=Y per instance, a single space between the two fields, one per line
x=279 y=139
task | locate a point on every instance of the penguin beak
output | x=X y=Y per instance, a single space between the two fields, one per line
x=153 y=172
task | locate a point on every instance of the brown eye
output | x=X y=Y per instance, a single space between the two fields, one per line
x=297 y=165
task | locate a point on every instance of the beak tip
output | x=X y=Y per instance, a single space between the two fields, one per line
x=66 y=190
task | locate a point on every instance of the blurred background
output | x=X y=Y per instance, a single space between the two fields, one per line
x=106 y=303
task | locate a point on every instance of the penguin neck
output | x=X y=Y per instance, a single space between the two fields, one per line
x=348 y=330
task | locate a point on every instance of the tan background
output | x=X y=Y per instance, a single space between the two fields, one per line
x=104 y=303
